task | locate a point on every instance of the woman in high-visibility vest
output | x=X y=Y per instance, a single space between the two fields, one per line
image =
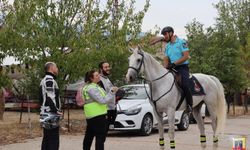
x=95 y=109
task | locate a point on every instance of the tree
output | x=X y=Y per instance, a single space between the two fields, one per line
x=222 y=50
x=4 y=82
x=75 y=34
x=215 y=53
x=200 y=46
x=234 y=22
x=246 y=57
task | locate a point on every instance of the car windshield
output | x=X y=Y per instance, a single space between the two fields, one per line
x=134 y=92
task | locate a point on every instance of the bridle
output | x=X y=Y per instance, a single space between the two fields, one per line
x=142 y=62
x=151 y=81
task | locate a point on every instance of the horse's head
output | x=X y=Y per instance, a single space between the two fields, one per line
x=136 y=61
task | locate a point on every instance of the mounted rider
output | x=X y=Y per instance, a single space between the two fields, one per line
x=176 y=57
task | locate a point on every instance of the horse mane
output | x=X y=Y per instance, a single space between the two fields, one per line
x=152 y=60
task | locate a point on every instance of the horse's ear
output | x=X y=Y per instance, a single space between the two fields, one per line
x=139 y=46
x=131 y=50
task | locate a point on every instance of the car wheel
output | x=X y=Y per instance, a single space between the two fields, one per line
x=146 y=125
x=184 y=123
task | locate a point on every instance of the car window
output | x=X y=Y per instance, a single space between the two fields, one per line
x=134 y=92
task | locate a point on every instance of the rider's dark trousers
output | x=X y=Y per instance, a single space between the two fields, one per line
x=96 y=127
x=184 y=71
x=50 y=139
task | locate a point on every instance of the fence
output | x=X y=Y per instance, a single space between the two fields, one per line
x=238 y=103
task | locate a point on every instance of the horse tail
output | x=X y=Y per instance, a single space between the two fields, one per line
x=221 y=107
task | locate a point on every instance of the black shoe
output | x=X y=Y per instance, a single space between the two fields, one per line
x=189 y=109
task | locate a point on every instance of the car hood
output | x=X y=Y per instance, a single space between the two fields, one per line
x=127 y=104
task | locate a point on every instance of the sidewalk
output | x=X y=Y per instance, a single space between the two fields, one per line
x=185 y=140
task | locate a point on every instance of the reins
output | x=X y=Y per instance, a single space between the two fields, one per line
x=139 y=68
x=151 y=82
x=150 y=87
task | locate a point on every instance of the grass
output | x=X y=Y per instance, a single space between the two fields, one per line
x=14 y=132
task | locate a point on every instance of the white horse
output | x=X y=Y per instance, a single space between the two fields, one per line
x=165 y=91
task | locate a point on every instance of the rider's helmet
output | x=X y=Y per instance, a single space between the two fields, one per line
x=167 y=29
x=49 y=120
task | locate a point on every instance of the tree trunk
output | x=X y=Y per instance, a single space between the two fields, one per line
x=245 y=104
x=234 y=103
x=2 y=103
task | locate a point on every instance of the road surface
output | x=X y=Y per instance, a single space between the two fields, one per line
x=185 y=140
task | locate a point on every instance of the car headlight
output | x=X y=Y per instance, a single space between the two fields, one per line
x=132 y=111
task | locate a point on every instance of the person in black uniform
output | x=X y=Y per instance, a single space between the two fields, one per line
x=50 y=104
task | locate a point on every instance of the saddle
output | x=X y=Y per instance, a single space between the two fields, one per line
x=194 y=85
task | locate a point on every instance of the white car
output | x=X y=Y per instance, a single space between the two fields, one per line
x=134 y=112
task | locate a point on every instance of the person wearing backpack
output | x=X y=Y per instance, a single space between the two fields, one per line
x=95 y=110
x=79 y=97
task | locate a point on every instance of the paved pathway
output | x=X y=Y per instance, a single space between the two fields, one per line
x=189 y=140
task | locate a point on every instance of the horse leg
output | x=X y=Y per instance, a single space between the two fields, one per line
x=215 y=136
x=171 y=121
x=160 y=130
x=200 y=123
x=214 y=125
x=217 y=110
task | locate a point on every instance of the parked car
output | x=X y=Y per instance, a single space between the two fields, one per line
x=136 y=113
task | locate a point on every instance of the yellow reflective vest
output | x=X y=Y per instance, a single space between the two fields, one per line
x=92 y=108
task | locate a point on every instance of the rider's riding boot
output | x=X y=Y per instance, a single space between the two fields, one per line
x=189 y=98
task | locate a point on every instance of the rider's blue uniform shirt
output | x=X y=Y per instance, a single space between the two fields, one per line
x=174 y=50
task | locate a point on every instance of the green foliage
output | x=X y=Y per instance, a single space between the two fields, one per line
x=234 y=16
x=199 y=46
x=4 y=81
x=38 y=31
x=223 y=50
x=245 y=56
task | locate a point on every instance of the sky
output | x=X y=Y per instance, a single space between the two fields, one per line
x=175 y=13
x=178 y=13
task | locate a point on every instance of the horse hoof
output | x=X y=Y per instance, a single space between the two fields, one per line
x=215 y=145
x=162 y=148
x=203 y=145
x=203 y=148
